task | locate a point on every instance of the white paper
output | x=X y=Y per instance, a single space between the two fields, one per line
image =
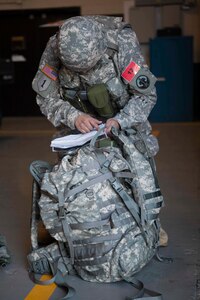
x=74 y=140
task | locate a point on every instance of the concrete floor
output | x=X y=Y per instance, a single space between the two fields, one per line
x=23 y=140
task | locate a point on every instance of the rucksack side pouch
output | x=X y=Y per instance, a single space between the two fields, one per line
x=41 y=260
x=5 y=256
x=99 y=98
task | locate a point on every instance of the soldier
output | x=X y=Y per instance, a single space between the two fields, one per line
x=87 y=52
x=92 y=71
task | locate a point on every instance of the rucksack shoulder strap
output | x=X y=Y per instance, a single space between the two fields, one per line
x=38 y=168
x=111 y=27
x=152 y=295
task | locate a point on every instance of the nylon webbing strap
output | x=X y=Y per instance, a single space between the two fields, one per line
x=152 y=295
x=82 y=226
x=118 y=220
x=117 y=186
x=148 y=156
x=38 y=168
x=152 y=164
x=33 y=277
x=61 y=280
x=152 y=195
x=130 y=204
x=92 y=250
x=154 y=205
x=98 y=239
x=65 y=225
x=124 y=175
x=95 y=137
x=112 y=46
x=89 y=225
x=35 y=215
x=89 y=262
x=120 y=142
x=87 y=184
x=128 y=201
x=66 y=259
x=43 y=266
x=156 y=226
x=151 y=216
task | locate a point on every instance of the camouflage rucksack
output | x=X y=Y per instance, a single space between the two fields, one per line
x=5 y=256
x=100 y=205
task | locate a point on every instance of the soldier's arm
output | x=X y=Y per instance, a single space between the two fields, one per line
x=46 y=85
x=141 y=100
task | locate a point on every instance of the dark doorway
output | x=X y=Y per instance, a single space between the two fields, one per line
x=22 y=43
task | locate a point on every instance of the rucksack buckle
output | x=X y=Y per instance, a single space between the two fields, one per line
x=117 y=186
x=61 y=212
x=40 y=266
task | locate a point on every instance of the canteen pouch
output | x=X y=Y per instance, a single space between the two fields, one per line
x=99 y=98
x=51 y=260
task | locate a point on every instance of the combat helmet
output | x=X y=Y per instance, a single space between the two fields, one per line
x=81 y=43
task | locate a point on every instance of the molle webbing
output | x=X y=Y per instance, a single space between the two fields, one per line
x=66 y=227
x=83 y=226
x=138 y=141
x=92 y=262
x=152 y=195
x=92 y=250
x=87 y=184
x=117 y=186
x=98 y=239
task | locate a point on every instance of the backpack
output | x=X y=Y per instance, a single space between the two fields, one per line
x=100 y=205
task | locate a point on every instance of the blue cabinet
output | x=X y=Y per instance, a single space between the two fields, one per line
x=171 y=61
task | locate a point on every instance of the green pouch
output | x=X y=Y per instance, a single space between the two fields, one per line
x=106 y=142
x=99 y=97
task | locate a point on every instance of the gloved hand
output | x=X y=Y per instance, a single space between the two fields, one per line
x=85 y=123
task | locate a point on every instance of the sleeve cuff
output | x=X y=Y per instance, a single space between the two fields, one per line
x=71 y=118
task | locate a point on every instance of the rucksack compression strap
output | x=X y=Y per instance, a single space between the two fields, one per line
x=152 y=295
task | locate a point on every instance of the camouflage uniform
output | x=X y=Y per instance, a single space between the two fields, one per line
x=63 y=54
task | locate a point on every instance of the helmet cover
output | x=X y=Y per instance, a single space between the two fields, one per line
x=81 y=43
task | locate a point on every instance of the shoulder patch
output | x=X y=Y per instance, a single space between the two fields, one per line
x=130 y=71
x=143 y=81
x=42 y=84
x=49 y=72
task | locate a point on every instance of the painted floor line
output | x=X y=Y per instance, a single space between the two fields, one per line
x=43 y=292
